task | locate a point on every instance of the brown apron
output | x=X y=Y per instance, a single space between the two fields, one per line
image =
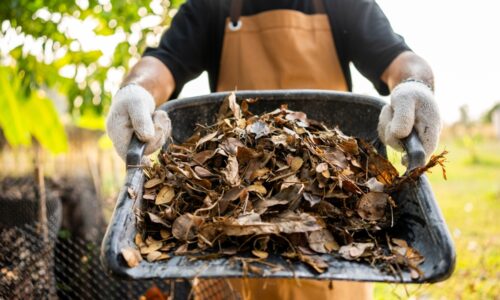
x=284 y=49
x=280 y=49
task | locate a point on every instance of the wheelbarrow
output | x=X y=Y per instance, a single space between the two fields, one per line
x=420 y=222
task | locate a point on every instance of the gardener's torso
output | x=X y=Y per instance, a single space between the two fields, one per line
x=279 y=49
x=199 y=37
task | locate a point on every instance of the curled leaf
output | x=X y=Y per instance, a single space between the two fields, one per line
x=230 y=173
x=260 y=254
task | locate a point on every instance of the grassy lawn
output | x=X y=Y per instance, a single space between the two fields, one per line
x=470 y=202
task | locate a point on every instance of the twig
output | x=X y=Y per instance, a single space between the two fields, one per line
x=40 y=181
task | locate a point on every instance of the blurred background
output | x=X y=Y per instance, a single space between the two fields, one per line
x=61 y=62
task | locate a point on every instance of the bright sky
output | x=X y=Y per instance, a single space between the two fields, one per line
x=461 y=41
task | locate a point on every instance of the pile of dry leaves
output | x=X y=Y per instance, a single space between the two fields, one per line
x=276 y=184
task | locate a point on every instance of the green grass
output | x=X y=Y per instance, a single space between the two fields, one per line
x=470 y=202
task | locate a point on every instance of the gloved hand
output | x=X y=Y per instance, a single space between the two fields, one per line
x=133 y=109
x=412 y=106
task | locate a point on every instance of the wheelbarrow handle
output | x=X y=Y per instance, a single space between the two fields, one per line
x=135 y=152
x=414 y=150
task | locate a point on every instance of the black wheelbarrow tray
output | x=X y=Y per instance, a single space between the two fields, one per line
x=420 y=222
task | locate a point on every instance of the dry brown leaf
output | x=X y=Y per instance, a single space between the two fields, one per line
x=312 y=199
x=415 y=273
x=257 y=188
x=317 y=263
x=298 y=116
x=131 y=256
x=259 y=173
x=231 y=146
x=372 y=206
x=163 y=256
x=233 y=194
x=322 y=241
x=337 y=158
x=400 y=242
x=149 y=196
x=167 y=247
x=165 y=234
x=280 y=139
x=203 y=156
x=288 y=181
x=255 y=270
x=296 y=163
x=186 y=226
x=230 y=196
x=206 y=138
x=244 y=154
x=230 y=173
x=152 y=247
x=414 y=256
x=374 y=185
x=153 y=255
x=165 y=195
x=258 y=128
x=152 y=183
x=350 y=146
x=181 y=250
x=300 y=223
x=354 y=250
x=291 y=194
x=320 y=168
x=233 y=105
x=131 y=193
x=379 y=166
x=138 y=240
x=260 y=254
x=158 y=220
x=202 y=172
x=261 y=205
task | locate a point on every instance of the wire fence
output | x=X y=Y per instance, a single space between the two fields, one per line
x=58 y=259
x=61 y=258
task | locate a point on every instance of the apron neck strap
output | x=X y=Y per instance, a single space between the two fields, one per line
x=236 y=6
x=235 y=12
x=319 y=7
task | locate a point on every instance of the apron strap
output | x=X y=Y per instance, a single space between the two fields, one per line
x=237 y=5
x=235 y=12
x=319 y=7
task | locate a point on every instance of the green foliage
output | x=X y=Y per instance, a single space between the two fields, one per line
x=14 y=129
x=80 y=49
x=43 y=123
x=22 y=117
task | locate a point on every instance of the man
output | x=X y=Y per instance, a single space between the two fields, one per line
x=279 y=44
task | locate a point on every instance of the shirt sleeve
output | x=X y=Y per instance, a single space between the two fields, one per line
x=371 y=42
x=184 y=47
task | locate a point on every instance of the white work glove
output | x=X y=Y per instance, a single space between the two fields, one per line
x=412 y=106
x=133 y=109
